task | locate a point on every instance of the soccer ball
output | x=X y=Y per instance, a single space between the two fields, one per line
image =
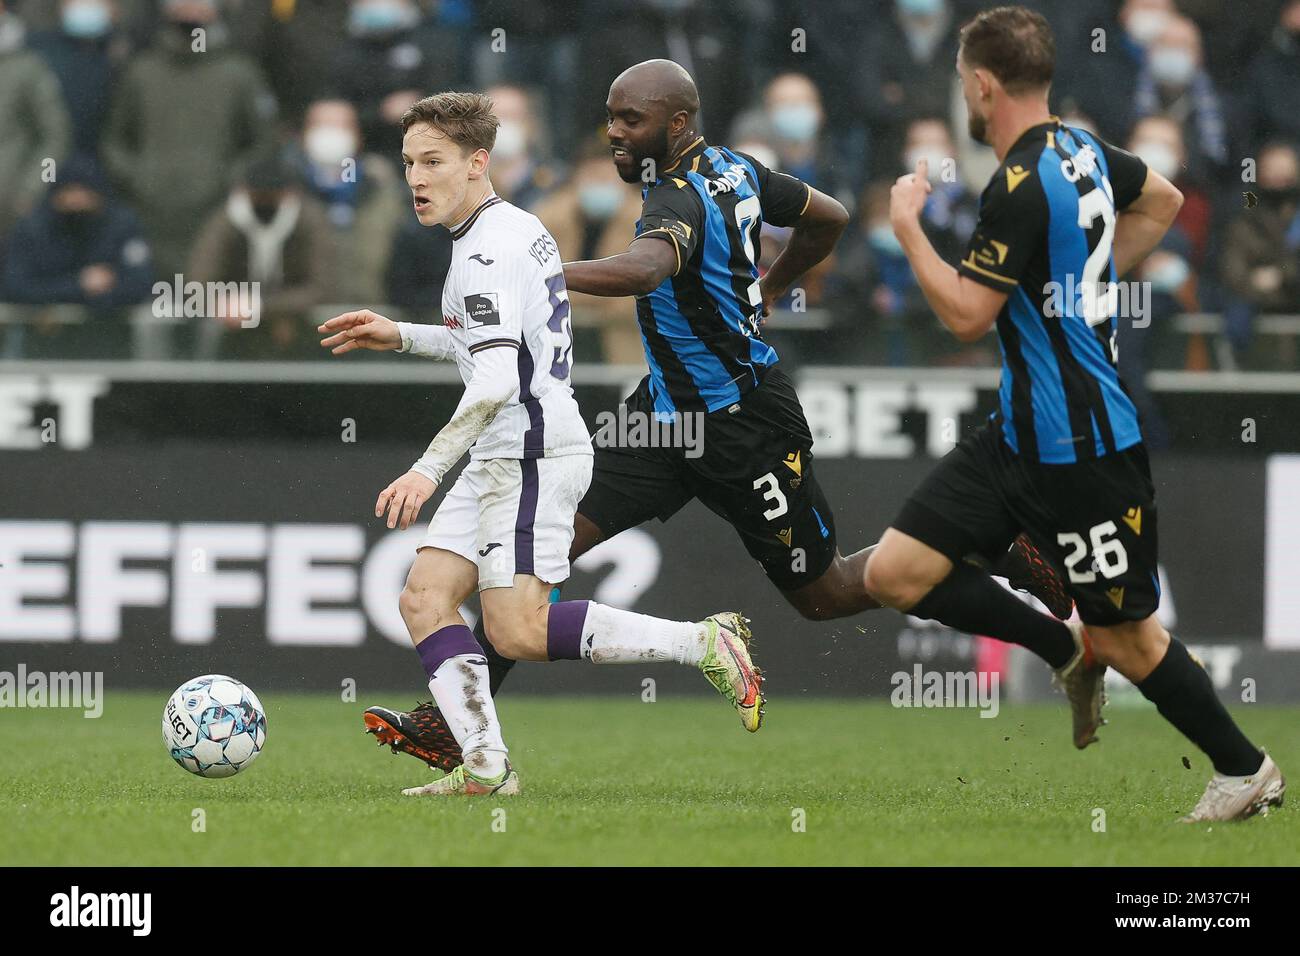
x=214 y=726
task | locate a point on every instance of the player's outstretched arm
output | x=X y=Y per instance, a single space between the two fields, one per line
x=649 y=261
x=364 y=329
x=1143 y=223
x=814 y=236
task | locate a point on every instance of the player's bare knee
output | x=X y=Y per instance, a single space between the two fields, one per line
x=500 y=636
x=515 y=638
x=1133 y=649
x=424 y=608
x=887 y=581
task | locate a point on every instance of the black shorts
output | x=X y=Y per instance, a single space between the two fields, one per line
x=1096 y=519
x=754 y=469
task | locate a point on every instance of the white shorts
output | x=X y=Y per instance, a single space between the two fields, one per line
x=513 y=516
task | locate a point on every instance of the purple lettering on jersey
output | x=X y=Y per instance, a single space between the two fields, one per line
x=560 y=325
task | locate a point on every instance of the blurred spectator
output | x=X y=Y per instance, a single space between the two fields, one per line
x=1104 y=84
x=518 y=173
x=78 y=53
x=951 y=209
x=296 y=44
x=270 y=234
x=1268 y=103
x=1261 y=248
x=79 y=247
x=363 y=200
x=417 y=268
x=709 y=38
x=34 y=124
x=830 y=28
x=1158 y=142
x=390 y=60
x=534 y=45
x=795 y=119
x=593 y=216
x=909 y=70
x=1169 y=275
x=1169 y=287
x=1173 y=83
x=185 y=116
x=873 y=273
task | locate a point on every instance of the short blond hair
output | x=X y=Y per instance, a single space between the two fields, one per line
x=464 y=118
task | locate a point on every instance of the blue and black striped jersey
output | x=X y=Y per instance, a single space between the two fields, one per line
x=1046 y=224
x=700 y=326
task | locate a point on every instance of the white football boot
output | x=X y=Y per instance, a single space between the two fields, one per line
x=1236 y=798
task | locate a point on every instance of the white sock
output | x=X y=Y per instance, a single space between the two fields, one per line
x=613 y=636
x=460 y=687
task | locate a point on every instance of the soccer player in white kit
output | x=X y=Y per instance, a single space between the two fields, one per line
x=506 y=525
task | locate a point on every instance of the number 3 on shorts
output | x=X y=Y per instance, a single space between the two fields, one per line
x=771 y=493
x=1108 y=554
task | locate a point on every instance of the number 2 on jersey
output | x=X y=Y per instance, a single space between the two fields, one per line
x=748 y=212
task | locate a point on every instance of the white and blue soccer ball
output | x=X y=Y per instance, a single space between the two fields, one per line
x=214 y=726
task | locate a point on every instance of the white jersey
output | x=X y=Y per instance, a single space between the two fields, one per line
x=505 y=288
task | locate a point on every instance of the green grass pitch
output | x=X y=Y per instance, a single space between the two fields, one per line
x=617 y=781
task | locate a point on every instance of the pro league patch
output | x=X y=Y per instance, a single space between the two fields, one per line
x=482 y=309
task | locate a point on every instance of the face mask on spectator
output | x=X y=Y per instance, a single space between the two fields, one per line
x=381 y=16
x=1159 y=157
x=882 y=239
x=265 y=207
x=329 y=145
x=86 y=20
x=599 y=201
x=796 y=122
x=511 y=140
x=1172 y=66
x=1145 y=25
x=919 y=8
x=934 y=159
x=1170 y=276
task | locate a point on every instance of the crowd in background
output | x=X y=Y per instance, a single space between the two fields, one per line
x=258 y=140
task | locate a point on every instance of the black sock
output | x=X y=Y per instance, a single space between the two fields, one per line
x=498 y=666
x=971 y=601
x=1183 y=693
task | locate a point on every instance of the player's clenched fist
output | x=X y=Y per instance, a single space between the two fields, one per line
x=907 y=197
x=362 y=329
x=404 y=498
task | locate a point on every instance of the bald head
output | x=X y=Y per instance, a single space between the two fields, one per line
x=661 y=83
x=651 y=114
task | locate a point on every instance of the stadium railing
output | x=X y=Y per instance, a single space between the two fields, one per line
x=154 y=338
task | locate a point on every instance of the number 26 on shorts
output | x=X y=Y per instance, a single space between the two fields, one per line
x=1108 y=554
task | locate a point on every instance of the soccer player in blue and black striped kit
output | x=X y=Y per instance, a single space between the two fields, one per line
x=1062 y=459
